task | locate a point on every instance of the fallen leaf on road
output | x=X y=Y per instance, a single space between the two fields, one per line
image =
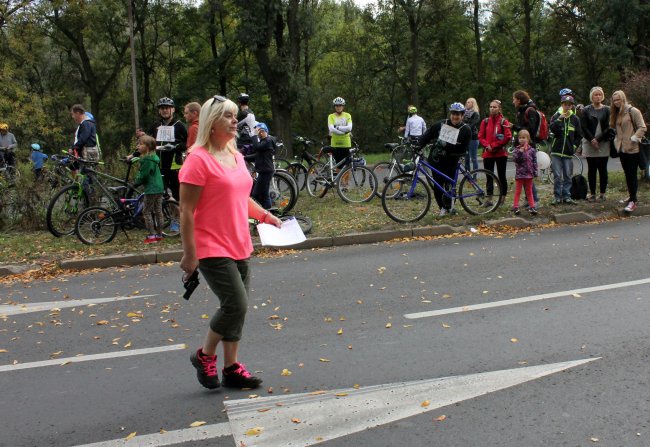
x=576 y=295
x=102 y=322
x=131 y=435
x=3 y=350
x=446 y=326
x=324 y=360
x=285 y=372
x=440 y=418
x=425 y=404
x=128 y=345
x=197 y=423
x=594 y=439
x=296 y=420
x=204 y=316
x=514 y=340
x=341 y=394
x=254 y=431
x=340 y=332
x=389 y=325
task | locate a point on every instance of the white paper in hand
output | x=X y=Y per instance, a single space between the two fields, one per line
x=289 y=234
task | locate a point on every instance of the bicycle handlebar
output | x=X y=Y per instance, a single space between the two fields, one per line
x=166 y=147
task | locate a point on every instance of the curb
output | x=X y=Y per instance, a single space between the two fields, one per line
x=152 y=257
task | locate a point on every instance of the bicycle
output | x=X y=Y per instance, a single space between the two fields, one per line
x=297 y=168
x=354 y=183
x=400 y=163
x=407 y=197
x=86 y=189
x=98 y=225
x=9 y=172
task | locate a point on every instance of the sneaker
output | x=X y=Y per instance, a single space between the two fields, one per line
x=237 y=376
x=443 y=212
x=488 y=204
x=516 y=210
x=630 y=207
x=533 y=211
x=556 y=201
x=174 y=226
x=151 y=239
x=206 y=369
x=570 y=201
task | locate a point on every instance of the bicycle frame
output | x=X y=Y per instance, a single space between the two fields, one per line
x=340 y=165
x=460 y=168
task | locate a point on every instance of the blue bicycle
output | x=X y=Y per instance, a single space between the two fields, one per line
x=407 y=197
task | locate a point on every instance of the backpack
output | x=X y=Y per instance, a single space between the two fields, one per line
x=578 y=187
x=541 y=134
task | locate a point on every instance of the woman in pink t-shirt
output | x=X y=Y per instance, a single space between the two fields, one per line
x=215 y=207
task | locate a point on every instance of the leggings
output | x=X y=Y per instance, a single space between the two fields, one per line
x=630 y=163
x=152 y=211
x=597 y=165
x=501 y=163
x=526 y=183
x=229 y=280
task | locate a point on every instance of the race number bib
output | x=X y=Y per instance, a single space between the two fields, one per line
x=449 y=134
x=166 y=134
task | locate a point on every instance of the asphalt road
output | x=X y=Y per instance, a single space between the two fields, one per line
x=335 y=318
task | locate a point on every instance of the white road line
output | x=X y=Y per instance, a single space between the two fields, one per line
x=49 y=305
x=170 y=437
x=526 y=299
x=88 y=358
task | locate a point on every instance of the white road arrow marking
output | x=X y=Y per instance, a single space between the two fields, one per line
x=328 y=416
x=49 y=305
x=339 y=413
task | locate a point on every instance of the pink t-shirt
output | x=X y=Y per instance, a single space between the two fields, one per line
x=221 y=215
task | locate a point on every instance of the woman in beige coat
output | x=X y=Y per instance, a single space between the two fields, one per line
x=630 y=129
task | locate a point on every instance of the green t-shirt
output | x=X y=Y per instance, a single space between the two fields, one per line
x=344 y=119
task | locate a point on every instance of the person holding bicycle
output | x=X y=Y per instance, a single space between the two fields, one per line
x=215 y=207
x=494 y=135
x=245 y=125
x=8 y=145
x=262 y=157
x=149 y=176
x=168 y=130
x=450 y=138
x=339 y=125
x=565 y=127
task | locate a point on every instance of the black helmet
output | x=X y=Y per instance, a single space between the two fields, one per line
x=243 y=98
x=165 y=102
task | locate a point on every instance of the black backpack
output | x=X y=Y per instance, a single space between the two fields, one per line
x=578 y=187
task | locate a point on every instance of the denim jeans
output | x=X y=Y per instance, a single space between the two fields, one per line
x=562 y=172
x=472 y=155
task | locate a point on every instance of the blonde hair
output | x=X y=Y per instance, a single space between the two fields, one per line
x=475 y=106
x=523 y=132
x=211 y=111
x=593 y=90
x=149 y=142
x=616 y=111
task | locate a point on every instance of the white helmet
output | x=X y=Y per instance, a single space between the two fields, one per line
x=338 y=101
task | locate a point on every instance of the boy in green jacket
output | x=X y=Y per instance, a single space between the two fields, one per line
x=149 y=176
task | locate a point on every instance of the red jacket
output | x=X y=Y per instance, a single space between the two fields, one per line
x=487 y=136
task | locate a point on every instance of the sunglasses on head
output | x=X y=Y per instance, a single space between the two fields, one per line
x=218 y=98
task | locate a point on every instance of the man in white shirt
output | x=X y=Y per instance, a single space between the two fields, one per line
x=415 y=125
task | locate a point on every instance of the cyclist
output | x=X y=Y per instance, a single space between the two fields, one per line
x=38 y=160
x=339 y=125
x=245 y=125
x=168 y=130
x=450 y=138
x=415 y=125
x=262 y=156
x=8 y=144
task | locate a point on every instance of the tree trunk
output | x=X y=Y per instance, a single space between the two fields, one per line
x=525 y=51
x=479 y=56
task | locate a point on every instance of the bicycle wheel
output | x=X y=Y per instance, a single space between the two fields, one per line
x=63 y=209
x=283 y=191
x=305 y=223
x=298 y=172
x=317 y=179
x=171 y=227
x=357 y=184
x=95 y=225
x=281 y=163
x=473 y=192
x=384 y=171
x=406 y=201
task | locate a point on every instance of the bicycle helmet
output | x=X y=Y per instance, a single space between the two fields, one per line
x=243 y=98
x=413 y=109
x=36 y=147
x=4 y=126
x=567 y=92
x=165 y=102
x=457 y=107
x=262 y=126
x=338 y=101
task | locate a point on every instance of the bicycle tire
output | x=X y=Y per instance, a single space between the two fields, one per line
x=283 y=191
x=384 y=171
x=305 y=222
x=472 y=192
x=171 y=227
x=299 y=172
x=281 y=163
x=95 y=226
x=357 y=184
x=64 y=208
x=400 y=204
x=317 y=179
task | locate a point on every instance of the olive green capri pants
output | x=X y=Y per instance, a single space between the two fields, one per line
x=229 y=280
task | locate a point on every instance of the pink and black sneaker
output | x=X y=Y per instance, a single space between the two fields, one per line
x=206 y=369
x=237 y=376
